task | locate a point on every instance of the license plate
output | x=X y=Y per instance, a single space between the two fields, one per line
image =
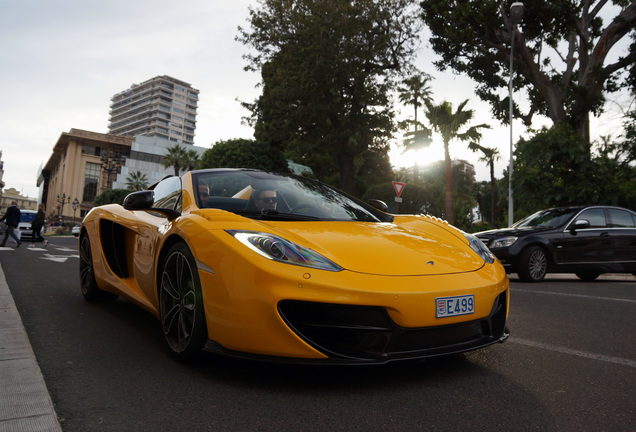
x=455 y=305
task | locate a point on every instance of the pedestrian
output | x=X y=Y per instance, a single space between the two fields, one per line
x=12 y=217
x=36 y=226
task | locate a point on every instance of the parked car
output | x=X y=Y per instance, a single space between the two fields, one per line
x=76 y=230
x=586 y=241
x=278 y=266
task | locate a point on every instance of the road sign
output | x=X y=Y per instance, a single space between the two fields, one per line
x=399 y=187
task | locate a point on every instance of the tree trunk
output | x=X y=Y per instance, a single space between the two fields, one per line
x=449 y=185
x=347 y=174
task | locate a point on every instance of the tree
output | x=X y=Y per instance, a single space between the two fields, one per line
x=191 y=160
x=415 y=91
x=177 y=158
x=111 y=196
x=541 y=180
x=490 y=155
x=326 y=68
x=242 y=153
x=473 y=37
x=449 y=125
x=136 y=181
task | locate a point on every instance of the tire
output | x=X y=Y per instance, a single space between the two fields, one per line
x=533 y=264
x=88 y=284
x=181 y=305
x=587 y=275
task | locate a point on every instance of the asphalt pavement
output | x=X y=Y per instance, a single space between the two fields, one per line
x=25 y=403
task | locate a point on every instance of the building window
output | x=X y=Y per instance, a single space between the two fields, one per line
x=91 y=150
x=91 y=181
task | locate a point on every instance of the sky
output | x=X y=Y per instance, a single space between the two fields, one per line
x=61 y=61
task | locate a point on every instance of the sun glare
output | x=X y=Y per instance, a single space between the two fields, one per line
x=401 y=159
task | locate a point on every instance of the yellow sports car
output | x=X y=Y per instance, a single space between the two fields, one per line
x=281 y=267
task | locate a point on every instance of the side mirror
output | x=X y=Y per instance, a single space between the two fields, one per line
x=580 y=224
x=380 y=205
x=143 y=200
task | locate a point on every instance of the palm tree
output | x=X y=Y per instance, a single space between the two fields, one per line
x=192 y=160
x=449 y=124
x=415 y=91
x=176 y=158
x=136 y=181
x=490 y=155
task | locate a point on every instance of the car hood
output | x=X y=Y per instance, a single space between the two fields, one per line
x=408 y=246
x=516 y=232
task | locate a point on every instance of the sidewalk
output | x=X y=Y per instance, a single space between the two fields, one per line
x=25 y=404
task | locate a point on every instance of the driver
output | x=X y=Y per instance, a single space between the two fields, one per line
x=204 y=193
x=265 y=199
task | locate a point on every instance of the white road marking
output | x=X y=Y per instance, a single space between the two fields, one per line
x=58 y=258
x=576 y=295
x=584 y=354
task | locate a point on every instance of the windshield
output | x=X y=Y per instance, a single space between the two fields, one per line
x=26 y=217
x=551 y=218
x=262 y=195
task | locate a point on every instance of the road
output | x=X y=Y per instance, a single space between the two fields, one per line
x=570 y=364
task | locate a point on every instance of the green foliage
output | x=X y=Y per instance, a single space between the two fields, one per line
x=242 y=153
x=111 y=196
x=176 y=158
x=551 y=170
x=326 y=69
x=428 y=196
x=452 y=126
x=474 y=37
x=136 y=181
x=554 y=169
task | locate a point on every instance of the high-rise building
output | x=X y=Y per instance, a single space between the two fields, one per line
x=159 y=107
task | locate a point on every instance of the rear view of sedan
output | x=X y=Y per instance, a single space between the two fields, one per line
x=586 y=241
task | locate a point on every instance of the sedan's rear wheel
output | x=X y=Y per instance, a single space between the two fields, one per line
x=181 y=304
x=88 y=284
x=533 y=264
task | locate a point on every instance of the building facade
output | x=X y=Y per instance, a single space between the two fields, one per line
x=83 y=165
x=23 y=202
x=146 y=154
x=159 y=107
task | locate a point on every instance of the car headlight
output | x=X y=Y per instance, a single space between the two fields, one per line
x=278 y=249
x=502 y=242
x=480 y=248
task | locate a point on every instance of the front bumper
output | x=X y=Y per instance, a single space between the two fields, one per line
x=348 y=334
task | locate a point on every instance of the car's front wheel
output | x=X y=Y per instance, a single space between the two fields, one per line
x=533 y=264
x=181 y=304
x=88 y=284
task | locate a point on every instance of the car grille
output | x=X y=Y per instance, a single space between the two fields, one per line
x=367 y=333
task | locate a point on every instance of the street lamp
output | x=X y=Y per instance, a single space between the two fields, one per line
x=516 y=13
x=110 y=163
x=62 y=200
x=75 y=205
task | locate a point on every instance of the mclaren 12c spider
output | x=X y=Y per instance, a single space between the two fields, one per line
x=280 y=267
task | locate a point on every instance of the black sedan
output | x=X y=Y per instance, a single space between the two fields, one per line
x=587 y=241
